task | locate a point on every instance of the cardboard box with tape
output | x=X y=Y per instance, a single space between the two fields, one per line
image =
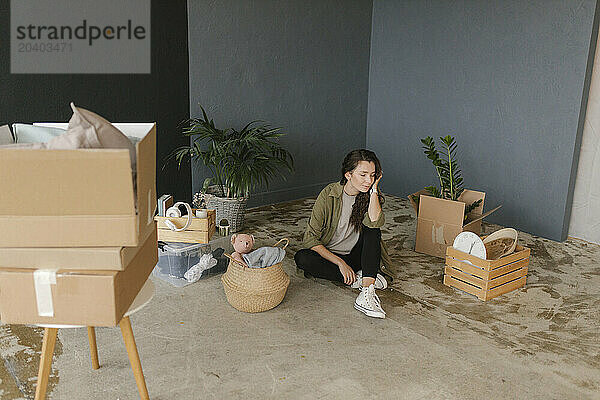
x=440 y=220
x=75 y=297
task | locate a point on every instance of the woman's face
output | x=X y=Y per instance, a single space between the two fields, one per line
x=362 y=177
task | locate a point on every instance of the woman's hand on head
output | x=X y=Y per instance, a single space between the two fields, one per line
x=376 y=183
x=347 y=272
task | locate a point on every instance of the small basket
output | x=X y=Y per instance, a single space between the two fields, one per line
x=255 y=289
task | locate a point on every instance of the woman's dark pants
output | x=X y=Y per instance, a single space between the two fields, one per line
x=365 y=255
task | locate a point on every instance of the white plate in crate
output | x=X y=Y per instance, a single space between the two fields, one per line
x=470 y=243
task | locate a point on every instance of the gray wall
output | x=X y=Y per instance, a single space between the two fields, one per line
x=299 y=64
x=507 y=78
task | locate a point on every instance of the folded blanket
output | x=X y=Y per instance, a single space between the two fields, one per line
x=264 y=257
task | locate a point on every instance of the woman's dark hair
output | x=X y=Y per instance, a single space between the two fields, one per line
x=361 y=204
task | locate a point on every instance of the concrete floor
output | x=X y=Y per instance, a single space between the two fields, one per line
x=538 y=342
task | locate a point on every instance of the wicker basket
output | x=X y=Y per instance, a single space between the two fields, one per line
x=231 y=209
x=255 y=289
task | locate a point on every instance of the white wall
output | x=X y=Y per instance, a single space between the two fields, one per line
x=585 y=214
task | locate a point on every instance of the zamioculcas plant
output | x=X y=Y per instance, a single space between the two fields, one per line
x=448 y=171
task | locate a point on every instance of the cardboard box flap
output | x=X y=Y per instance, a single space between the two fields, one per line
x=68 y=191
x=146 y=183
x=414 y=204
x=441 y=210
x=480 y=217
x=471 y=196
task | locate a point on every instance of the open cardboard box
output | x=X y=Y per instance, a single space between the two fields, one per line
x=78 y=198
x=74 y=297
x=439 y=221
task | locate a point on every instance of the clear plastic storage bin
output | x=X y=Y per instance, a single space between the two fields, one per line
x=174 y=259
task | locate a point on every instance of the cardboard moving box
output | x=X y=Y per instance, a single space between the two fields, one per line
x=78 y=198
x=439 y=221
x=72 y=297
x=86 y=258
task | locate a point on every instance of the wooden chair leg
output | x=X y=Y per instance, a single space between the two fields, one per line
x=134 y=358
x=93 y=347
x=45 y=362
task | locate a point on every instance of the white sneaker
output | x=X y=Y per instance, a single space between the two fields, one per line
x=367 y=302
x=380 y=282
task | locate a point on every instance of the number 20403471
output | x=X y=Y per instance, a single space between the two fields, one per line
x=29 y=47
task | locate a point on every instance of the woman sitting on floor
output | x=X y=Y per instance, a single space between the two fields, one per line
x=343 y=240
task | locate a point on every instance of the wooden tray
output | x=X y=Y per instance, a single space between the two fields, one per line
x=200 y=230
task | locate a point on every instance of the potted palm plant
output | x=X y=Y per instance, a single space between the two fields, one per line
x=239 y=161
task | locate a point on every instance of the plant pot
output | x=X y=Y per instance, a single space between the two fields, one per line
x=231 y=209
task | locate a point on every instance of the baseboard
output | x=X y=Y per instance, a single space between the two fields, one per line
x=279 y=196
x=569 y=237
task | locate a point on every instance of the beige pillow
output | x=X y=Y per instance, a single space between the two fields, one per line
x=89 y=130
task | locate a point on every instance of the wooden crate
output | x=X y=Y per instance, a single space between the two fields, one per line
x=486 y=279
x=200 y=230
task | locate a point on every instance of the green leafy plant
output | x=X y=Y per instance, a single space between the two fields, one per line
x=447 y=169
x=239 y=160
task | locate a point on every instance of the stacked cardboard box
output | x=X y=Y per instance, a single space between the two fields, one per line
x=78 y=239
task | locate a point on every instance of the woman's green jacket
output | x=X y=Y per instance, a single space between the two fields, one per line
x=326 y=215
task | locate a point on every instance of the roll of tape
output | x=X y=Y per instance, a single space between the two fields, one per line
x=173 y=212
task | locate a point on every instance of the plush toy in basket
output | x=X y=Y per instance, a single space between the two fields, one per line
x=258 y=282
